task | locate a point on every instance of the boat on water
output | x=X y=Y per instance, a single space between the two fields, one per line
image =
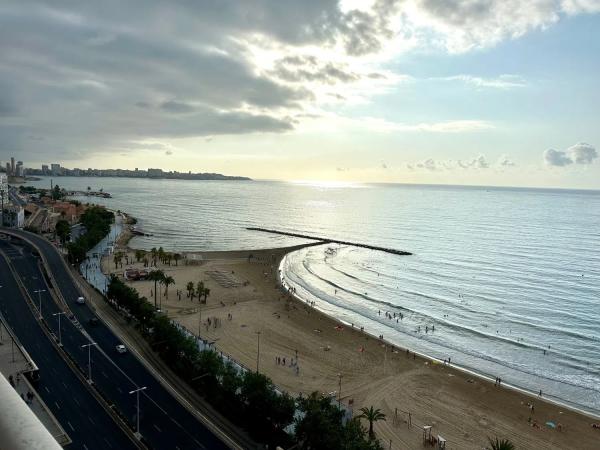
x=137 y=232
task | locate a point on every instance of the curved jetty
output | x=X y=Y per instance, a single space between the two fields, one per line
x=334 y=241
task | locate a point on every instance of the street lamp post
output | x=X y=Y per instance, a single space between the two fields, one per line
x=39 y=293
x=340 y=391
x=258 y=349
x=89 y=347
x=137 y=414
x=59 y=333
x=199 y=319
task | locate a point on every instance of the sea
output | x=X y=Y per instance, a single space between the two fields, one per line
x=503 y=281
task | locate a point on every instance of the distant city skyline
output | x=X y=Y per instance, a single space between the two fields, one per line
x=445 y=92
x=57 y=170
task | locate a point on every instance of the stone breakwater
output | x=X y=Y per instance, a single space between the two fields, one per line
x=332 y=241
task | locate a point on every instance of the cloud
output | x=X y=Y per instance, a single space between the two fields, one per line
x=580 y=6
x=581 y=153
x=504 y=161
x=505 y=81
x=463 y=25
x=169 y=152
x=131 y=71
x=478 y=163
x=173 y=106
x=556 y=158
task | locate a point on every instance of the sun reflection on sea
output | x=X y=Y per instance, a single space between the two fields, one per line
x=328 y=184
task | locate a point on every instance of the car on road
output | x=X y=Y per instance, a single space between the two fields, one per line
x=80 y=300
x=93 y=321
x=121 y=348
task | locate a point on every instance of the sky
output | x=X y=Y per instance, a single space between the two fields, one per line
x=485 y=92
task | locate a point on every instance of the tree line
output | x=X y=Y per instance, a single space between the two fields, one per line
x=96 y=221
x=248 y=399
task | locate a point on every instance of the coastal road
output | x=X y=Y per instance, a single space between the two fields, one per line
x=88 y=425
x=164 y=422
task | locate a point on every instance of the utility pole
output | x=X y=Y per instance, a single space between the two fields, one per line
x=137 y=414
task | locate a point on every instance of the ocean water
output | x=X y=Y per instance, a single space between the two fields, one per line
x=509 y=278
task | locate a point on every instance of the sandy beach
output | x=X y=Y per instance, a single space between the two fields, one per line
x=464 y=409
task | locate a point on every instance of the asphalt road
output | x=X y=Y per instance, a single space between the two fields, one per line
x=164 y=422
x=87 y=424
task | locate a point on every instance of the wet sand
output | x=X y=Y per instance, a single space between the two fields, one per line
x=462 y=408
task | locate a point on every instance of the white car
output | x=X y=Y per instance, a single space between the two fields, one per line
x=80 y=300
x=121 y=348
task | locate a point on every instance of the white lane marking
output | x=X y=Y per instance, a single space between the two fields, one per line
x=70 y=426
x=93 y=423
x=47 y=390
x=156 y=426
x=109 y=444
x=63 y=383
x=76 y=401
x=57 y=405
x=105 y=376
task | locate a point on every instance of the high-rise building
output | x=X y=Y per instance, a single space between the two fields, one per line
x=45 y=170
x=19 y=170
x=4 y=183
x=3 y=192
x=12 y=166
x=56 y=170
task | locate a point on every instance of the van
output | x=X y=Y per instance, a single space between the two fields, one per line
x=80 y=300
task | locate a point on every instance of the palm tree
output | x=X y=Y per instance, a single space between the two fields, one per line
x=372 y=415
x=206 y=294
x=500 y=444
x=139 y=254
x=161 y=255
x=167 y=281
x=153 y=252
x=200 y=289
x=117 y=259
x=176 y=257
x=190 y=289
x=156 y=276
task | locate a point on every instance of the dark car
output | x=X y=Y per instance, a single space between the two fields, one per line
x=94 y=321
